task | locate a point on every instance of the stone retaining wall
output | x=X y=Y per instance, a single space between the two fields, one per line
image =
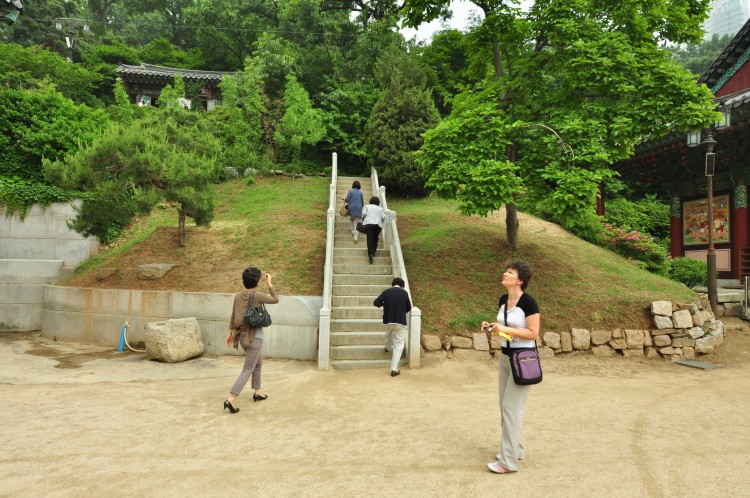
x=678 y=330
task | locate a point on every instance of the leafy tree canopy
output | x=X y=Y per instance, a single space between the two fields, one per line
x=398 y=121
x=170 y=156
x=42 y=124
x=301 y=123
x=589 y=73
x=34 y=68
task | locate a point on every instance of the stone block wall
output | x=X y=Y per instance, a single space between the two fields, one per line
x=678 y=331
x=35 y=251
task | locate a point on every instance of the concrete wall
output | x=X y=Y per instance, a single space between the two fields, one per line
x=38 y=250
x=44 y=234
x=96 y=316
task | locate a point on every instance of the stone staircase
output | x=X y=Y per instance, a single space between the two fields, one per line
x=357 y=330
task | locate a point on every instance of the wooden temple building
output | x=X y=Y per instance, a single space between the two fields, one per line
x=143 y=84
x=669 y=168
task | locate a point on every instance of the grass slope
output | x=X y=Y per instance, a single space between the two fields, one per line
x=454 y=262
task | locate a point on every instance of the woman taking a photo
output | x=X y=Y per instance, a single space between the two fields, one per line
x=373 y=217
x=518 y=318
x=251 y=339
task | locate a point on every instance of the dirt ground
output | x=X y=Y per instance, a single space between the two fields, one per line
x=80 y=420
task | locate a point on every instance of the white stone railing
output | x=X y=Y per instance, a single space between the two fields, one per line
x=392 y=241
x=324 y=327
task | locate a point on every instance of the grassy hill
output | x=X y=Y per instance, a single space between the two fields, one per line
x=454 y=262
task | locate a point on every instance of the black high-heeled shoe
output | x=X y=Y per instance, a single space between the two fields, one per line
x=260 y=397
x=232 y=409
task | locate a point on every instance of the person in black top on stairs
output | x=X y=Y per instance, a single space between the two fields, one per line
x=396 y=304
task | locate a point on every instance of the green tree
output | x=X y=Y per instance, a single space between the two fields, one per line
x=161 y=51
x=30 y=68
x=398 y=121
x=238 y=121
x=136 y=27
x=42 y=124
x=168 y=156
x=173 y=11
x=588 y=75
x=226 y=49
x=36 y=25
x=101 y=9
x=446 y=59
x=347 y=108
x=101 y=57
x=300 y=125
x=123 y=110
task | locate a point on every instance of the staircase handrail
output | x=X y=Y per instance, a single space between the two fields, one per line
x=324 y=324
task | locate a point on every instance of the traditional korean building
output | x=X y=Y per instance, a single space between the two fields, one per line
x=669 y=168
x=143 y=84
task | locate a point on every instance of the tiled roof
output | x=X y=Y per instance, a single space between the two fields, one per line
x=159 y=73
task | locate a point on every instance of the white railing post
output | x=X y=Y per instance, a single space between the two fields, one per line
x=414 y=351
x=324 y=324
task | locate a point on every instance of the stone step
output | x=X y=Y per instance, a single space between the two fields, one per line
x=358 y=339
x=361 y=245
x=363 y=364
x=381 y=280
x=357 y=290
x=351 y=301
x=361 y=259
x=368 y=312
x=362 y=268
x=341 y=194
x=360 y=352
x=348 y=252
x=357 y=324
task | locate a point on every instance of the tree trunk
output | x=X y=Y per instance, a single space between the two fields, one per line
x=181 y=227
x=496 y=58
x=511 y=215
x=511 y=226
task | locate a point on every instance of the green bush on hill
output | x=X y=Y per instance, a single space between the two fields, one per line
x=690 y=272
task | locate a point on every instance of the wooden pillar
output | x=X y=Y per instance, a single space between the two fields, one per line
x=675 y=227
x=739 y=228
x=600 y=200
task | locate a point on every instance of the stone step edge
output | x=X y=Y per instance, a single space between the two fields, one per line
x=363 y=364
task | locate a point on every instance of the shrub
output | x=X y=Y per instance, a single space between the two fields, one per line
x=690 y=272
x=635 y=245
x=648 y=215
x=587 y=227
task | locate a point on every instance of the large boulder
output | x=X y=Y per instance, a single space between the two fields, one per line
x=173 y=340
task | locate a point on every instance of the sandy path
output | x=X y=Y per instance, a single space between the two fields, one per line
x=123 y=426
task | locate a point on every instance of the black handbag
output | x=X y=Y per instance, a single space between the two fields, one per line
x=256 y=318
x=361 y=227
